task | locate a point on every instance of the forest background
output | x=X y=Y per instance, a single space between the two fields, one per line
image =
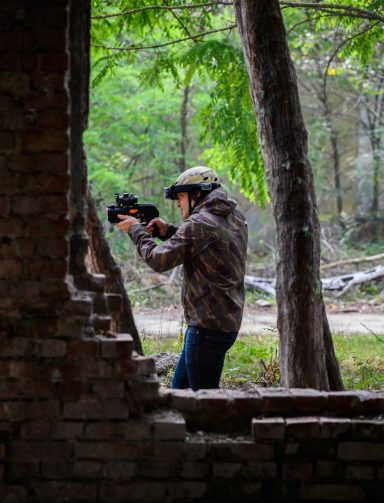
x=159 y=107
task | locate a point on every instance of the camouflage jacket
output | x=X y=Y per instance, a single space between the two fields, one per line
x=211 y=244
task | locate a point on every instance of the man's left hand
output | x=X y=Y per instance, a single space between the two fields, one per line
x=127 y=222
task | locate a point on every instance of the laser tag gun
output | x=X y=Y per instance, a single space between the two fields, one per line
x=127 y=205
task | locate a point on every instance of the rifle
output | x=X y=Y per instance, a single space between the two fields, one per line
x=127 y=205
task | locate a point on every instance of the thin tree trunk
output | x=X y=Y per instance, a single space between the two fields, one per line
x=105 y=264
x=307 y=357
x=183 y=128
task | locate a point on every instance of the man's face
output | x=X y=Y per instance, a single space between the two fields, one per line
x=182 y=203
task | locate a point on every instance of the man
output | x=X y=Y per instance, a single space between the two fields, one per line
x=211 y=244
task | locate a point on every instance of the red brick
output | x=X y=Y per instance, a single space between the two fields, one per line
x=297 y=471
x=40 y=269
x=68 y=430
x=10 y=269
x=187 y=489
x=6 y=102
x=43 y=163
x=49 y=140
x=226 y=470
x=36 y=450
x=42 y=100
x=276 y=402
x=235 y=450
x=50 y=39
x=362 y=451
x=108 y=388
x=18 y=347
x=260 y=470
x=26 y=410
x=56 y=470
x=13 y=493
x=13 y=120
x=7 y=141
x=36 y=430
x=360 y=472
x=46 y=16
x=169 y=426
x=48 y=80
x=83 y=349
x=303 y=427
x=52 y=120
x=17 y=247
x=15 y=40
x=326 y=469
x=120 y=470
x=53 y=248
x=143 y=491
x=55 y=62
x=30 y=205
x=38 y=228
x=121 y=347
x=107 y=450
x=342 y=402
x=87 y=469
x=50 y=491
x=29 y=61
x=10 y=228
x=337 y=492
x=268 y=428
x=9 y=61
x=41 y=183
x=194 y=469
x=157 y=468
x=14 y=83
x=53 y=348
x=84 y=409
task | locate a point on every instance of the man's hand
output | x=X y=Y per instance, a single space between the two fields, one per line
x=161 y=224
x=127 y=222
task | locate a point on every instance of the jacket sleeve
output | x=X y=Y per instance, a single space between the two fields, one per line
x=189 y=240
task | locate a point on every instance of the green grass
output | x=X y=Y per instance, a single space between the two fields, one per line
x=254 y=358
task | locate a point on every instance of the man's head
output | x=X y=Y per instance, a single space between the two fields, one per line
x=191 y=187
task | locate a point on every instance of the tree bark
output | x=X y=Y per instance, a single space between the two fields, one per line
x=104 y=263
x=183 y=129
x=307 y=356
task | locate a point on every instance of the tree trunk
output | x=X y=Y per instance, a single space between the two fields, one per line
x=104 y=263
x=183 y=130
x=307 y=357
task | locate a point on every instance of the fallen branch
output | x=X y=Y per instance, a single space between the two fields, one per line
x=341 y=284
x=358 y=260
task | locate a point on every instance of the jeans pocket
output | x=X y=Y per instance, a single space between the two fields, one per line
x=215 y=346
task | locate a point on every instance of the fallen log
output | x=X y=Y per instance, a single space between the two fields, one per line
x=339 y=284
x=358 y=260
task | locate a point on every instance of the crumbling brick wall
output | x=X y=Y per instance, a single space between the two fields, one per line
x=81 y=416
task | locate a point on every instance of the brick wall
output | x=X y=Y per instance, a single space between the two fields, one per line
x=81 y=415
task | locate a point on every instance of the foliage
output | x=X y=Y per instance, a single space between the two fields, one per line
x=361 y=359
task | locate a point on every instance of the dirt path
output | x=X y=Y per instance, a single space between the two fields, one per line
x=165 y=322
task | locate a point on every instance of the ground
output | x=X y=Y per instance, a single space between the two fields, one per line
x=358 y=317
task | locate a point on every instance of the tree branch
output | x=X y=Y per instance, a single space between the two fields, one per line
x=348 y=10
x=157 y=46
x=160 y=7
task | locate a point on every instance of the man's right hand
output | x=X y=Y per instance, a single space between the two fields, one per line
x=161 y=224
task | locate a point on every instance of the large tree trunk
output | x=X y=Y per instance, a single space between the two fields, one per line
x=307 y=357
x=104 y=263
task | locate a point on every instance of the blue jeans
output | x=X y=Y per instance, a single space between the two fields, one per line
x=202 y=358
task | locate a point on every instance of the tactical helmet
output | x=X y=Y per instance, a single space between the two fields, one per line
x=195 y=179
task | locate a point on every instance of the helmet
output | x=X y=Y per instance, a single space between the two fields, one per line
x=195 y=179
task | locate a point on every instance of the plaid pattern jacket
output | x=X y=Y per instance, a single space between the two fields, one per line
x=211 y=244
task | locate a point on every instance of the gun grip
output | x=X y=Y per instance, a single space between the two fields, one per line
x=155 y=232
